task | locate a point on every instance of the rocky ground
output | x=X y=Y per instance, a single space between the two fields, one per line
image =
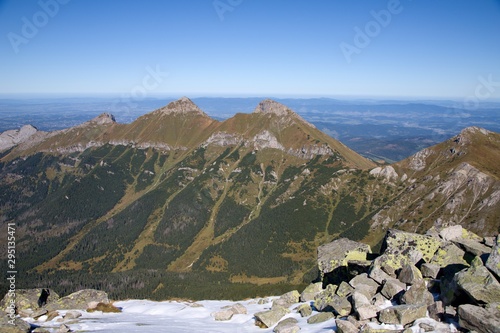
x=444 y=281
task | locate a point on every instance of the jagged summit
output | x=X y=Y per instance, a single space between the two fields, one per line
x=269 y=106
x=181 y=106
x=104 y=118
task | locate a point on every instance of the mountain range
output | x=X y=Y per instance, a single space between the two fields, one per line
x=177 y=204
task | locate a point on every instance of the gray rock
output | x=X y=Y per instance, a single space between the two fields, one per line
x=392 y=287
x=341 y=306
x=63 y=329
x=417 y=294
x=473 y=247
x=478 y=283
x=311 y=291
x=410 y=274
x=38 y=313
x=403 y=314
x=267 y=319
x=289 y=325
x=79 y=300
x=28 y=299
x=72 y=315
x=305 y=310
x=493 y=262
x=490 y=241
x=324 y=298
x=475 y=318
x=379 y=301
x=40 y=330
x=451 y=233
x=436 y=310
x=288 y=299
x=20 y=326
x=363 y=306
x=339 y=252
x=430 y=270
x=344 y=289
x=320 y=318
x=223 y=315
x=363 y=281
x=404 y=248
x=236 y=308
x=345 y=326
x=449 y=254
x=378 y=274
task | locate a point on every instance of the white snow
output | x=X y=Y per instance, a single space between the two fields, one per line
x=146 y=316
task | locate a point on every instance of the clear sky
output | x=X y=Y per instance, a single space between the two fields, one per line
x=329 y=48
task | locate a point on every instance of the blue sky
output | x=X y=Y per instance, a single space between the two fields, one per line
x=416 y=49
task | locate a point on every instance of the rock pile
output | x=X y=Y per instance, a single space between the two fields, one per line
x=27 y=307
x=442 y=281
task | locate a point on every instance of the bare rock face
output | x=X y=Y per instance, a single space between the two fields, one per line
x=20 y=326
x=182 y=106
x=11 y=138
x=270 y=107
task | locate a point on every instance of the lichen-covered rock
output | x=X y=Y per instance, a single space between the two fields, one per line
x=493 y=262
x=311 y=291
x=392 y=287
x=28 y=299
x=339 y=252
x=402 y=314
x=344 y=289
x=286 y=300
x=20 y=326
x=417 y=294
x=378 y=274
x=341 y=306
x=267 y=319
x=345 y=326
x=410 y=274
x=403 y=248
x=479 y=283
x=288 y=325
x=324 y=298
x=449 y=254
x=320 y=318
x=79 y=300
x=305 y=310
x=475 y=318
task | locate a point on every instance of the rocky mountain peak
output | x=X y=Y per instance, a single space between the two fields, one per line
x=269 y=106
x=104 y=118
x=182 y=106
x=272 y=107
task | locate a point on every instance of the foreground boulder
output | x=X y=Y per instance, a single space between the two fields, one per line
x=20 y=326
x=475 y=318
x=28 y=299
x=402 y=314
x=334 y=257
x=493 y=262
x=267 y=319
x=479 y=283
x=79 y=300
